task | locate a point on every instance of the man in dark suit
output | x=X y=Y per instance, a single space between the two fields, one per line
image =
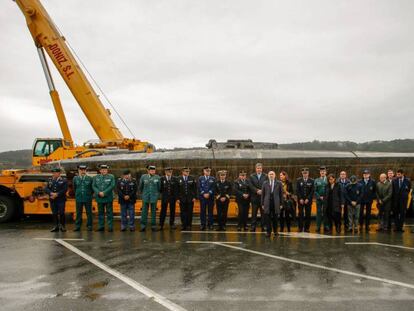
x=169 y=184
x=401 y=187
x=186 y=195
x=256 y=181
x=271 y=201
x=304 y=192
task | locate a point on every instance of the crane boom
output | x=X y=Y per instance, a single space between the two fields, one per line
x=46 y=36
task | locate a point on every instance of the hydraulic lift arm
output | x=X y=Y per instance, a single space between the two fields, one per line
x=47 y=38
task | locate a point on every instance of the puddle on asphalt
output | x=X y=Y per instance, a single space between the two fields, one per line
x=99 y=284
x=88 y=290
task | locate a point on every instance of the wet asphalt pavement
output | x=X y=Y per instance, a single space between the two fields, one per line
x=45 y=275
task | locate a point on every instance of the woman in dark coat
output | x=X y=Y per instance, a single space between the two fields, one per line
x=333 y=203
x=288 y=211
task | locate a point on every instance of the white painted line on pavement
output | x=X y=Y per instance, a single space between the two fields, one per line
x=211 y=242
x=304 y=263
x=225 y=232
x=303 y=235
x=306 y=235
x=52 y=239
x=134 y=284
x=380 y=244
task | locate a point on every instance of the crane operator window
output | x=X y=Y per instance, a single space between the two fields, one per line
x=46 y=147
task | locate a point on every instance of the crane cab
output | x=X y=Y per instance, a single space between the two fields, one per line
x=53 y=149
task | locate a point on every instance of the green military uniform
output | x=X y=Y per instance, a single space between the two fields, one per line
x=321 y=184
x=83 y=196
x=149 y=185
x=105 y=184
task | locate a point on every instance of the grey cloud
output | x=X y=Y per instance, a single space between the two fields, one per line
x=182 y=72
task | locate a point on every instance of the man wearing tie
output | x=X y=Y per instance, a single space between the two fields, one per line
x=186 y=195
x=242 y=191
x=367 y=197
x=271 y=201
x=401 y=187
x=256 y=181
x=223 y=192
x=168 y=197
x=206 y=187
x=82 y=186
x=304 y=191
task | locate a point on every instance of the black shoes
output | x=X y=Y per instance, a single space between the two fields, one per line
x=76 y=230
x=60 y=228
x=142 y=229
x=101 y=229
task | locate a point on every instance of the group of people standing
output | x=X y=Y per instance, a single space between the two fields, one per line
x=276 y=199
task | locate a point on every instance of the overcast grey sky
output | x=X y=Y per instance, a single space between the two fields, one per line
x=181 y=72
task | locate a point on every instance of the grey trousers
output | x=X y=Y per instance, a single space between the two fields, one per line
x=353 y=216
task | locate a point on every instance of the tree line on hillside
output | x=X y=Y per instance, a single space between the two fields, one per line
x=397 y=145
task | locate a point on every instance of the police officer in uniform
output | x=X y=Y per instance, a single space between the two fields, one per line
x=206 y=187
x=186 y=195
x=223 y=193
x=127 y=188
x=103 y=187
x=149 y=186
x=169 y=184
x=56 y=188
x=304 y=192
x=320 y=193
x=82 y=186
x=242 y=191
x=256 y=181
x=368 y=186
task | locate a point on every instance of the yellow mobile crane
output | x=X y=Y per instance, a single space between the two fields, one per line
x=21 y=190
x=47 y=38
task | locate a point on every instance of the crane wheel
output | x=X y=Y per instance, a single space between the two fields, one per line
x=7 y=208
